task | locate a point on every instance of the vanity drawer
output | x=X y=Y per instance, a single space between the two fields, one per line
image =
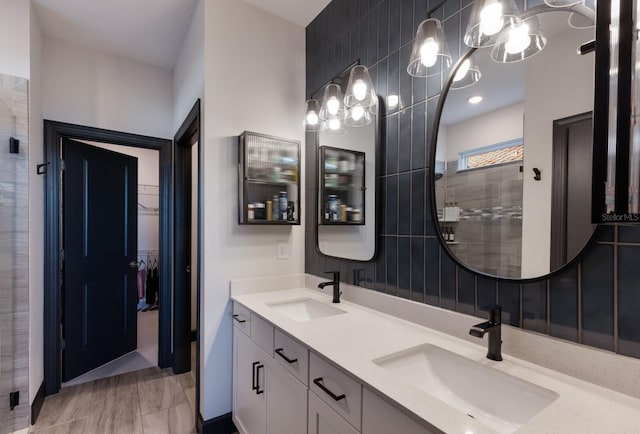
x=242 y=318
x=292 y=355
x=262 y=334
x=337 y=389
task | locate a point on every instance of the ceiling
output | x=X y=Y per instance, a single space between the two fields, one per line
x=150 y=31
x=300 y=12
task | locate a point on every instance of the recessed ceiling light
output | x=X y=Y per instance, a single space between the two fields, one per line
x=475 y=99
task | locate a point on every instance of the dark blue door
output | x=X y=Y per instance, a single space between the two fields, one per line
x=99 y=292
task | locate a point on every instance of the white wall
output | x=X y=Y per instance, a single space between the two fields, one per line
x=188 y=87
x=567 y=81
x=188 y=75
x=498 y=126
x=36 y=214
x=14 y=37
x=93 y=88
x=255 y=80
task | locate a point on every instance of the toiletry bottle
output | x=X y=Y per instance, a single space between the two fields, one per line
x=284 y=202
x=276 y=207
x=269 y=210
x=452 y=235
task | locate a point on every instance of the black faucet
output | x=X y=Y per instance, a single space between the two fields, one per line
x=492 y=327
x=336 y=285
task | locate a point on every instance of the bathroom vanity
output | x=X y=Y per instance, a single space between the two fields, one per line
x=304 y=364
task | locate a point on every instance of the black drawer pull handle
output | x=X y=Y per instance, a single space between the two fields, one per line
x=253 y=375
x=258 y=391
x=280 y=352
x=236 y=317
x=318 y=382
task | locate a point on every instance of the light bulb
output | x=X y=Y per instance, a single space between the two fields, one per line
x=333 y=105
x=429 y=52
x=360 y=89
x=393 y=101
x=491 y=20
x=518 y=40
x=462 y=71
x=357 y=112
x=312 y=118
x=334 y=124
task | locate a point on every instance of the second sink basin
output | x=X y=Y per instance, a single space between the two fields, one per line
x=305 y=309
x=496 y=399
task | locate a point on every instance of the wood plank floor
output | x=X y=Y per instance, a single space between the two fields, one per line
x=147 y=401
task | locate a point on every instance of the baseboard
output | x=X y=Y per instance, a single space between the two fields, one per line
x=194 y=335
x=218 y=425
x=36 y=406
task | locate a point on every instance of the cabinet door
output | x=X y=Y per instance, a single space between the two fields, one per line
x=286 y=402
x=323 y=420
x=250 y=378
x=380 y=417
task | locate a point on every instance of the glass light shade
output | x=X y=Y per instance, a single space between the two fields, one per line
x=488 y=19
x=359 y=89
x=357 y=116
x=467 y=74
x=561 y=3
x=312 y=116
x=429 y=47
x=584 y=16
x=519 y=42
x=332 y=103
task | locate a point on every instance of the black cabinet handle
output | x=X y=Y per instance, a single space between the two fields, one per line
x=318 y=382
x=237 y=318
x=280 y=352
x=258 y=391
x=253 y=376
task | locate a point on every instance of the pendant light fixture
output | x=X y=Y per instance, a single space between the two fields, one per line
x=488 y=19
x=360 y=91
x=332 y=103
x=583 y=16
x=519 y=41
x=429 y=47
x=312 y=116
x=467 y=74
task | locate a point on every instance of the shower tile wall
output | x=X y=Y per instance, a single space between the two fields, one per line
x=578 y=305
x=14 y=253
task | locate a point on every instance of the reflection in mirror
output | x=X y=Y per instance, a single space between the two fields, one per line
x=513 y=155
x=347 y=190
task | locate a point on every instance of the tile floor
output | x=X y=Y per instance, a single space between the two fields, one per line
x=148 y=401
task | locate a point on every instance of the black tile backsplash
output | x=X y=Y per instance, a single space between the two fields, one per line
x=578 y=304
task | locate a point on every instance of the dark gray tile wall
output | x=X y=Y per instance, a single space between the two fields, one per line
x=14 y=253
x=594 y=302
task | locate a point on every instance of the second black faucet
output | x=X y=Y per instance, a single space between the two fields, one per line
x=336 y=285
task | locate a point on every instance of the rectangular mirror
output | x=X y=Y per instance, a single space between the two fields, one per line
x=347 y=192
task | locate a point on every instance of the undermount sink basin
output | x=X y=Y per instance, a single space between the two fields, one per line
x=305 y=309
x=496 y=399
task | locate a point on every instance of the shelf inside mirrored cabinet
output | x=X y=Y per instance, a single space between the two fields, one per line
x=269 y=179
x=342 y=187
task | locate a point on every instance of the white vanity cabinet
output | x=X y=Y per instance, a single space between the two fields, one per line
x=266 y=398
x=249 y=381
x=280 y=387
x=324 y=420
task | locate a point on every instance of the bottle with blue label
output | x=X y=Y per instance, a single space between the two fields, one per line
x=334 y=206
x=283 y=205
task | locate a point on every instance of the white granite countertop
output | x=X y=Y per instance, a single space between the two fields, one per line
x=353 y=340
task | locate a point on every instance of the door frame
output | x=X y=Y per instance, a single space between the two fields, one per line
x=54 y=131
x=559 y=188
x=190 y=126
